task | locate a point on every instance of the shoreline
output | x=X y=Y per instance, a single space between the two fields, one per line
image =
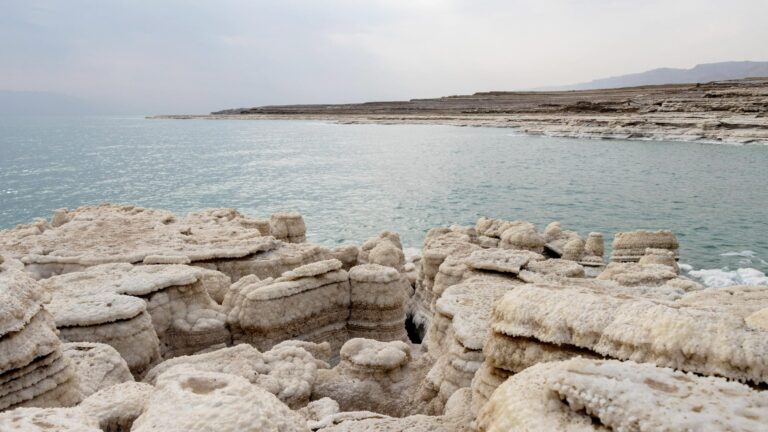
x=721 y=112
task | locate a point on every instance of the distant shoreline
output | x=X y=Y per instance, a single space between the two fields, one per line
x=728 y=112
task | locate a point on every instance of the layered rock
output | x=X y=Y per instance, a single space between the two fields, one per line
x=630 y=246
x=595 y=395
x=288 y=226
x=660 y=325
x=378 y=296
x=33 y=370
x=386 y=250
x=142 y=311
x=309 y=303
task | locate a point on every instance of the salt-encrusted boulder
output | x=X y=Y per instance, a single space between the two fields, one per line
x=186 y=400
x=309 y=303
x=123 y=305
x=288 y=372
x=630 y=273
x=47 y=420
x=555 y=267
x=660 y=256
x=456 y=337
x=288 y=226
x=115 y=408
x=98 y=366
x=597 y=395
x=33 y=370
x=378 y=296
x=386 y=250
x=646 y=325
x=371 y=376
x=522 y=236
x=630 y=246
x=347 y=254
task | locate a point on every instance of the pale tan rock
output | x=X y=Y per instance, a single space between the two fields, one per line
x=627 y=395
x=522 y=236
x=630 y=274
x=645 y=326
x=347 y=254
x=386 y=250
x=20 y=300
x=288 y=372
x=378 y=296
x=47 y=420
x=186 y=400
x=310 y=303
x=630 y=246
x=595 y=245
x=110 y=233
x=556 y=267
x=371 y=376
x=98 y=366
x=514 y=354
x=500 y=260
x=184 y=316
x=660 y=256
x=288 y=226
x=115 y=408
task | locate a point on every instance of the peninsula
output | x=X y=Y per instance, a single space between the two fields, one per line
x=733 y=111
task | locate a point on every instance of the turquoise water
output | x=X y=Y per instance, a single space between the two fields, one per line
x=352 y=181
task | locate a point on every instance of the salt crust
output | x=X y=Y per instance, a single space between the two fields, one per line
x=626 y=325
x=115 y=408
x=288 y=372
x=47 y=419
x=98 y=366
x=186 y=400
x=623 y=396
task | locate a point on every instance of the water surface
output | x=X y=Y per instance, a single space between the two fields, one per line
x=352 y=181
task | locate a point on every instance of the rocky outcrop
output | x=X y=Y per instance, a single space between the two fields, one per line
x=33 y=370
x=595 y=395
x=631 y=246
x=378 y=296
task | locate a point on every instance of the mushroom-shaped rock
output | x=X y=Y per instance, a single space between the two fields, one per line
x=115 y=408
x=372 y=375
x=98 y=366
x=288 y=226
x=630 y=246
x=524 y=237
x=378 y=296
x=309 y=303
x=185 y=400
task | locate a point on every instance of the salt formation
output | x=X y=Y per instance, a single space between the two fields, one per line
x=50 y=419
x=309 y=303
x=185 y=400
x=630 y=246
x=218 y=239
x=371 y=375
x=646 y=327
x=347 y=255
x=33 y=370
x=594 y=395
x=386 y=250
x=144 y=312
x=288 y=226
x=115 y=408
x=378 y=296
x=288 y=372
x=98 y=366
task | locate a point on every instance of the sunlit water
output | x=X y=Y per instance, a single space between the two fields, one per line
x=352 y=181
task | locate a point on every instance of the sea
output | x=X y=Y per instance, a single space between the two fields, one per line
x=353 y=181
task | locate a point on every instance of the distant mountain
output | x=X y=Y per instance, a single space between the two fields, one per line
x=42 y=103
x=701 y=73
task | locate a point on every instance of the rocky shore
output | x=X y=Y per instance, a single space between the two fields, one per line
x=734 y=112
x=121 y=318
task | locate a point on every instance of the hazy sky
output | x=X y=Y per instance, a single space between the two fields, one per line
x=197 y=56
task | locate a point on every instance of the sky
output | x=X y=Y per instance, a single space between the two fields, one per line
x=190 y=56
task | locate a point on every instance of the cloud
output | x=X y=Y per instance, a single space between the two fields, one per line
x=198 y=56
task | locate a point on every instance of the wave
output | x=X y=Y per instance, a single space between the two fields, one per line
x=720 y=278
